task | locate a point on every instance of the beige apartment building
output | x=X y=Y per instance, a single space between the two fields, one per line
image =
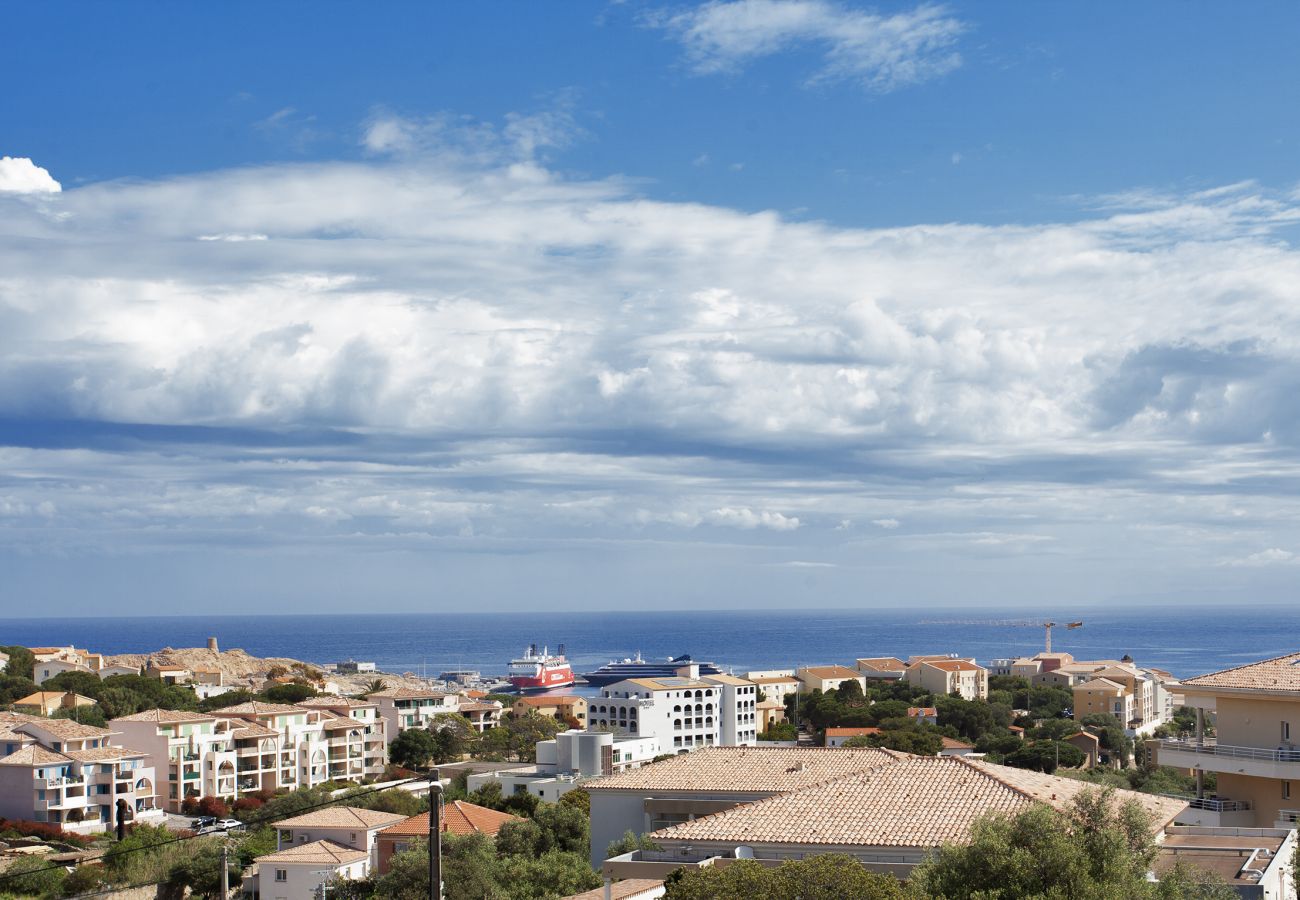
x=71 y=775
x=943 y=675
x=256 y=746
x=1255 y=752
x=403 y=707
x=829 y=678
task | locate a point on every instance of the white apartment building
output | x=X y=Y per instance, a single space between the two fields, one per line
x=405 y=707
x=683 y=711
x=739 y=708
x=256 y=746
x=68 y=774
x=563 y=763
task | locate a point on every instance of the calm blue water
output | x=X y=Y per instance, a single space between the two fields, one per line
x=1186 y=641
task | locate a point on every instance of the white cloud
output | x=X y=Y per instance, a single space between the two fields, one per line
x=888 y=524
x=1274 y=556
x=20 y=175
x=471 y=351
x=232 y=238
x=880 y=52
x=749 y=519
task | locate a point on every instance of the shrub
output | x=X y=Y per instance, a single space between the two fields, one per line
x=248 y=803
x=213 y=806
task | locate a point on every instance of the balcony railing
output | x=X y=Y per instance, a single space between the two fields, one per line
x=1219 y=805
x=1291 y=816
x=1210 y=747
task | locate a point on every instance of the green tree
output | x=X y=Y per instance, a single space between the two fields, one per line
x=291 y=693
x=1045 y=756
x=578 y=799
x=564 y=828
x=413 y=748
x=971 y=718
x=630 y=842
x=824 y=877
x=86 y=715
x=14 y=687
x=21 y=662
x=523 y=838
x=84 y=683
x=32 y=876
x=780 y=731
x=453 y=737
x=551 y=875
x=1094 y=849
x=526 y=731
x=118 y=701
x=229 y=698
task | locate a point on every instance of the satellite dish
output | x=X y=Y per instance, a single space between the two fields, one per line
x=744 y=853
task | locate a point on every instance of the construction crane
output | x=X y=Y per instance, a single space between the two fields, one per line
x=1047 y=628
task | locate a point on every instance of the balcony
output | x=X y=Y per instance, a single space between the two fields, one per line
x=1215 y=812
x=1211 y=756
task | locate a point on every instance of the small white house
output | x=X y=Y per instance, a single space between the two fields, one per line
x=297 y=873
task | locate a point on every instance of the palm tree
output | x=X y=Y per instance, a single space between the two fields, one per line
x=377 y=684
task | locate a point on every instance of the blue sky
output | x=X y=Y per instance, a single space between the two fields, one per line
x=745 y=303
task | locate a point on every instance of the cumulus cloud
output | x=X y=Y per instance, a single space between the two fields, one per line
x=1274 y=556
x=19 y=175
x=880 y=52
x=470 y=353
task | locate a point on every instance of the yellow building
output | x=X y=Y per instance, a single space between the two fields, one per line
x=829 y=678
x=47 y=703
x=950 y=676
x=1254 y=753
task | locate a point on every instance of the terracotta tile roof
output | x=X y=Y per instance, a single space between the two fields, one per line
x=408 y=693
x=33 y=755
x=252 y=730
x=917 y=711
x=458 y=817
x=920 y=801
x=954 y=665
x=1282 y=673
x=66 y=728
x=316 y=853
x=882 y=663
x=48 y=649
x=824 y=672
x=166 y=716
x=954 y=744
x=257 y=708
x=746 y=769
x=1101 y=683
x=553 y=700
x=851 y=732
x=479 y=707
x=476 y=695
x=627 y=889
x=342 y=817
x=41 y=698
x=101 y=754
x=336 y=702
x=725 y=679
x=169 y=668
x=775 y=679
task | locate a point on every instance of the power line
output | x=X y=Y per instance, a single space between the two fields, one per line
x=6 y=876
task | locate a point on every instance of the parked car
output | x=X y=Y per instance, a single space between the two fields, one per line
x=203 y=822
x=229 y=824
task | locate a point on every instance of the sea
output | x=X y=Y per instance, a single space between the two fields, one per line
x=1186 y=640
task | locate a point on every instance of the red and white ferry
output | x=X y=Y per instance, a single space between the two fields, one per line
x=540 y=671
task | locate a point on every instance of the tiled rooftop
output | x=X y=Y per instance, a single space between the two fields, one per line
x=458 y=817
x=66 y=729
x=670 y=683
x=342 y=817
x=1282 y=673
x=258 y=708
x=326 y=853
x=619 y=890
x=831 y=672
x=166 y=716
x=336 y=703
x=920 y=801
x=746 y=769
x=407 y=693
x=33 y=755
x=103 y=754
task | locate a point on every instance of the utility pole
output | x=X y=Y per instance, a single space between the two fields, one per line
x=435 y=835
x=225 y=869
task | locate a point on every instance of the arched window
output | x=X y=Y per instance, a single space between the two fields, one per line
x=677 y=724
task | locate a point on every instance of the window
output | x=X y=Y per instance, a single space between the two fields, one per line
x=1286 y=790
x=281 y=874
x=1286 y=731
x=352 y=837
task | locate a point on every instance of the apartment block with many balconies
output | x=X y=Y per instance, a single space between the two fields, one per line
x=405 y=707
x=71 y=775
x=1255 y=751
